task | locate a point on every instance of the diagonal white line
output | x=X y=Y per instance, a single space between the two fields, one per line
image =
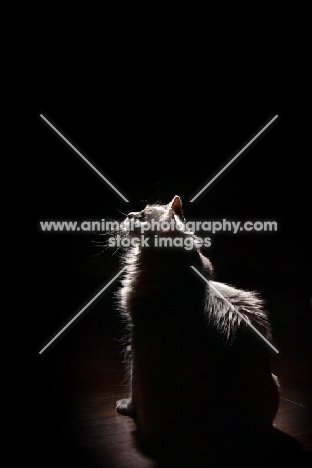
x=85 y=159
x=227 y=165
x=234 y=308
x=290 y=401
x=82 y=310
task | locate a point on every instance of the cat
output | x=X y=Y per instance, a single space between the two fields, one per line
x=200 y=377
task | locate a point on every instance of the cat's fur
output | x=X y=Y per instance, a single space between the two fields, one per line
x=200 y=376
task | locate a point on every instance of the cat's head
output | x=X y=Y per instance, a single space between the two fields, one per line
x=157 y=226
x=165 y=227
x=156 y=219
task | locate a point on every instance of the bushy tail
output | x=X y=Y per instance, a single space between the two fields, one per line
x=226 y=307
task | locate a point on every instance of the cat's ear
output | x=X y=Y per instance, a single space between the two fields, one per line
x=176 y=206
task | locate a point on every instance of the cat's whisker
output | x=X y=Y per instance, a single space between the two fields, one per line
x=107 y=233
x=99 y=253
x=124 y=214
x=117 y=250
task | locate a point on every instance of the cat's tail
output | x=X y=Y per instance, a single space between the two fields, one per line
x=227 y=308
